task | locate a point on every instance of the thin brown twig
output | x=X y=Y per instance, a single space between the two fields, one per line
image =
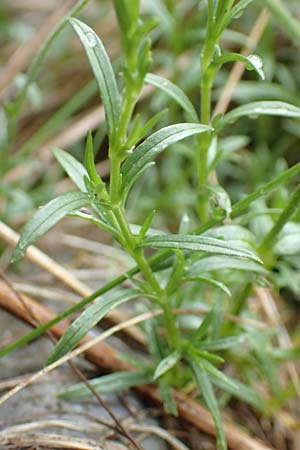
x=42 y=260
x=119 y=426
x=106 y=358
x=88 y=345
x=268 y=303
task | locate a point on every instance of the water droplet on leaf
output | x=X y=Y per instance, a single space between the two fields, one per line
x=91 y=39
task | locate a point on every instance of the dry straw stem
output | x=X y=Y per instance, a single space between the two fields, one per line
x=106 y=358
x=16 y=431
x=53 y=441
x=42 y=260
x=268 y=304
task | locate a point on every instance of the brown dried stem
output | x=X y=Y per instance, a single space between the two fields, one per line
x=106 y=358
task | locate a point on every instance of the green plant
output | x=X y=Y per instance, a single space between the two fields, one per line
x=192 y=352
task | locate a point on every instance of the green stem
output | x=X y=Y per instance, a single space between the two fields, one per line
x=204 y=142
x=129 y=243
x=115 y=165
x=172 y=332
x=129 y=104
x=270 y=240
x=236 y=310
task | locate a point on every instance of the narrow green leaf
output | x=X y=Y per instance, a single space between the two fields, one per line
x=282 y=354
x=167 y=364
x=146 y=152
x=243 y=204
x=243 y=392
x=107 y=384
x=197 y=243
x=255 y=109
x=207 y=391
x=175 y=92
x=89 y=161
x=211 y=281
x=212 y=263
x=146 y=225
x=103 y=73
x=217 y=374
x=95 y=221
x=253 y=62
x=237 y=11
x=202 y=329
x=224 y=343
x=46 y=217
x=204 y=355
x=73 y=168
x=167 y=397
x=269 y=368
x=176 y=274
x=88 y=319
x=145 y=129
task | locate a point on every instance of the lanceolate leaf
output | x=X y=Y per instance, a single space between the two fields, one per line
x=73 y=168
x=88 y=319
x=197 y=243
x=108 y=384
x=211 y=281
x=89 y=161
x=226 y=343
x=244 y=393
x=146 y=152
x=103 y=73
x=175 y=93
x=253 y=62
x=237 y=11
x=206 y=390
x=217 y=374
x=212 y=263
x=167 y=397
x=46 y=217
x=266 y=108
x=167 y=364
